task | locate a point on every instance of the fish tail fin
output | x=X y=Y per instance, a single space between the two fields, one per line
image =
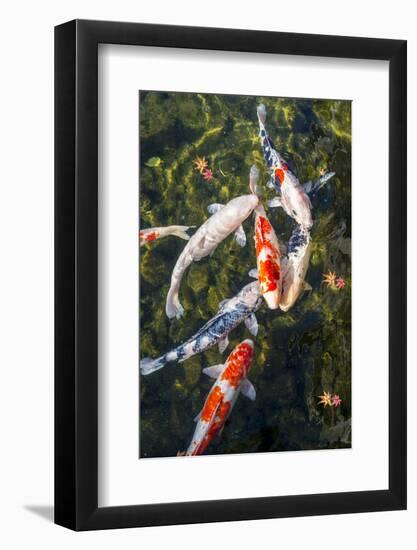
x=261 y=111
x=181 y=231
x=173 y=307
x=148 y=365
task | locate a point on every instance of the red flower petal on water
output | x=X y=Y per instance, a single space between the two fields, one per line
x=207 y=174
x=336 y=401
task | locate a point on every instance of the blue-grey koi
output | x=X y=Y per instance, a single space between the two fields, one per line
x=232 y=312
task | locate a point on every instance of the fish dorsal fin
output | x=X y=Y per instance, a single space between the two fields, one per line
x=215 y=207
x=213 y=411
x=247 y=389
x=252 y=324
x=274 y=203
x=307 y=286
x=240 y=236
x=197 y=418
x=213 y=371
x=253 y=273
x=223 y=303
x=223 y=344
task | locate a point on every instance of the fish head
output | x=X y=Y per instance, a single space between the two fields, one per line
x=295 y=269
x=250 y=295
x=250 y=204
x=238 y=209
x=292 y=289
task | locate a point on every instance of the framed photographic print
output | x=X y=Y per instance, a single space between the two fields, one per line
x=230 y=275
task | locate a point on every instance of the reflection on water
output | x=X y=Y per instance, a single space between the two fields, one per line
x=299 y=354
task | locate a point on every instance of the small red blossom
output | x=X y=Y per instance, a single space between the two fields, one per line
x=340 y=283
x=207 y=174
x=336 y=401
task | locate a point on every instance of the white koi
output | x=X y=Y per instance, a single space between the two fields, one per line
x=225 y=220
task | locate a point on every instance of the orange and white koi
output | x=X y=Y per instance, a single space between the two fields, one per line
x=154 y=233
x=231 y=379
x=225 y=219
x=291 y=195
x=294 y=267
x=268 y=259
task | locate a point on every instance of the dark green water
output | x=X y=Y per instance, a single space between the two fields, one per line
x=298 y=354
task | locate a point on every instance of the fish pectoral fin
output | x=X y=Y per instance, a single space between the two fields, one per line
x=270 y=184
x=253 y=273
x=213 y=251
x=240 y=236
x=223 y=344
x=308 y=186
x=274 y=203
x=197 y=418
x=312 y=187
x=307 y=286
x=248 y=389
x=215 y=207
x=213 y=371
x=252 y=324
x=223 y=303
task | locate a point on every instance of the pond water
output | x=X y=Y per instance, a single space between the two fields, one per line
x=299 y=354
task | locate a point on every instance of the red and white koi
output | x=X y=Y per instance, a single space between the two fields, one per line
x=225 y=219
x=153 y=233
x=295 y=267
x=291 y=195
x=231 y=379
x=268 y=258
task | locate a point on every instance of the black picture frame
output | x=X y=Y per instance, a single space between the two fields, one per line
x=76 y=271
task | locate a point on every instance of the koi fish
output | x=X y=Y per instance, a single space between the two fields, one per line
x=225 y=220
x=292 y=197
x=295 y=267
x=268 y=258
x=230 y=382
x=232 y=312
x=153 y=233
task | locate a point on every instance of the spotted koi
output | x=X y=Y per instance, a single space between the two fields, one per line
x=149 y=235
x=268 y=259
x=231 y=379
x=290 y=193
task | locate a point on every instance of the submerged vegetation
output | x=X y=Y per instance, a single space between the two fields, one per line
x=197 y=149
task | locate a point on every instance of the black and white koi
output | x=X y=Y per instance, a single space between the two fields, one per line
x=232 y=312
x=294 y=267
x=293 y=197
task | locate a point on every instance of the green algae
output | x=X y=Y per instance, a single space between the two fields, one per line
x=298 y=354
